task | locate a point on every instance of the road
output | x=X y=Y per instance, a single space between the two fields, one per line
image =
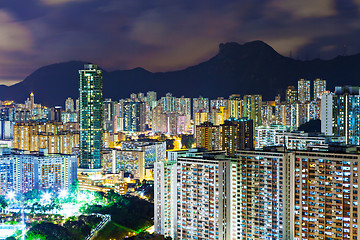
x=106 y=218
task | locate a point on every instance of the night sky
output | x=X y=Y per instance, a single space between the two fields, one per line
x=163 y=35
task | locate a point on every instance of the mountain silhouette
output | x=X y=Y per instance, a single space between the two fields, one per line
x=250 y=68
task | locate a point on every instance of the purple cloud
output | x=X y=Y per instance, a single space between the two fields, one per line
x=162 y=35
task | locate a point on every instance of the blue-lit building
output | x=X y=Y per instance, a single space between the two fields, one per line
x=134 y=115
x=90 y=117
x=346 y=114
x=20 y=172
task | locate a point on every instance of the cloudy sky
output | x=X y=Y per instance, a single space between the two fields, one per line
x=162 y=35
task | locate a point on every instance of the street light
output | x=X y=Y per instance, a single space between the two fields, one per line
x=46 y=197
x=63 y=193
x=11 y=196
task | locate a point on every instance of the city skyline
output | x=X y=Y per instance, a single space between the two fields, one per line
x=179 y=120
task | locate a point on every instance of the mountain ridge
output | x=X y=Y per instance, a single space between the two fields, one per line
x=250 y=68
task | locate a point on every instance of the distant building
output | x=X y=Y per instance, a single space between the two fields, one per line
x=55 y=114
x=134 y=116
x=183 y=106
x=252 y=108
x=304 y=90
x=327 y=114
x=235 y=106
x=319 y=88
x=168 y=103
x=200 y=104
x=266 y=135
x=291 y=95
x=69 y=105
x=108 y=115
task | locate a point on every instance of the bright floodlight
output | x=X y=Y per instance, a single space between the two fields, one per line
x=11 y=196
x=63 y=193
x=46 y=197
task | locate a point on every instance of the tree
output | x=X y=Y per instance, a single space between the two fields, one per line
x=10 y=238
x=112 y=197
x=187 y=140
x=49 y=231
x=3 y=203
x=33 y=194
x=170 y=144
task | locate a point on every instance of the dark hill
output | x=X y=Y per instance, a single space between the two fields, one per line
x=250 y=68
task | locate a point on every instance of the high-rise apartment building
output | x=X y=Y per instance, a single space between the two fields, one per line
x=168 y=103
x=325 y=196
x=200 y=104
x=235 y=106
x=252 y=108
x=266 y=135
x=319 y=88
x=22 y=172
x=134 y=115
x=304 y=90
x=108 y=115
x=90 y=117
x=346 y=114
x=183 y=106
x=69 y=105
x=208 y=136
x=151 y=98
x=54 y=136
x=218 y=103
x=165 y=195
x=236 y=135
x=326 y=115
x=260 y=193
x=291 y=95
x=203 y=202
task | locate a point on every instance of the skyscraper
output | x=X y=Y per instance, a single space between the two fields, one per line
x=69 y=105
x=151 y=98
x=203 y=197
x=168 y=103
x=259 y=194
x=325 y=196
x=90 y=121
x=32 y=100
x=304 y=90
x=207 y=136
x=236 y=135
x=235 y=106
x=346 y=114
x=319 y=88
x=291 y=95
x=134 y=115
x=183 y=105
x=200 y=104
x=252 y=108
